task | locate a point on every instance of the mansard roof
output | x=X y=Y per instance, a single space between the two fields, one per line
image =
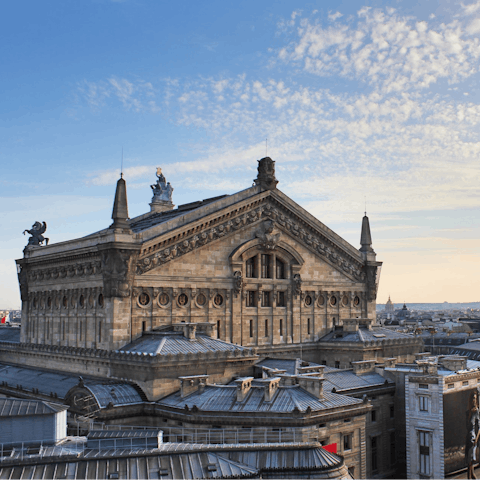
x=175 y=343
x=223 y=398
x=57 y=384
x=362 y=335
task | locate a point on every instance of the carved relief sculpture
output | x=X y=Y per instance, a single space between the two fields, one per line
x=117 y=272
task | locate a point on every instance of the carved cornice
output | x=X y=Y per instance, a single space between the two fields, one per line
x=265 y=209
x=66 y=271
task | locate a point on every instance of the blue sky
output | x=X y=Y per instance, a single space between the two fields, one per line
x=375 y=100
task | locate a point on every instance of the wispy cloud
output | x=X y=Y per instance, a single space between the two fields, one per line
x=387 y=50
x=401 y=145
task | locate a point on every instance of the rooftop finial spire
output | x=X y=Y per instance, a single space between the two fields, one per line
x=120 y=205
x=366 y=237
x=121 y=167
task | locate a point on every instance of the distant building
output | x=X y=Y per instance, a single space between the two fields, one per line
x=389 y=306
x=435 y=414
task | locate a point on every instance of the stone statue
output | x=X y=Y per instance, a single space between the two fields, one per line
x=162 y=191
x=36 y=233
x=297 y=281
x=266 y=174
x=473 y=432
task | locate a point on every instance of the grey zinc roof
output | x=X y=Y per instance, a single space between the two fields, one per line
x=182 y=461
x=346 y=379
x=175 y=343
x=14 y=407
x=47 y=382
x=314 y=458
x=10 y=334
x=150 y=221
x=167 y=466
x=290 y=365
x=223 y=398
x=143 y=433
x=364 y=335
x=117 y=394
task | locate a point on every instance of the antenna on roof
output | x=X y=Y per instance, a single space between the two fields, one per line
x=121 y=168
x=266 y=147
x=365 y=205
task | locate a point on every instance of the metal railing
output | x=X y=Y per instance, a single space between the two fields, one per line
x=78 y=446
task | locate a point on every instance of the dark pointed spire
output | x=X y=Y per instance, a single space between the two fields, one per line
x=366 y=237
x=120 y=206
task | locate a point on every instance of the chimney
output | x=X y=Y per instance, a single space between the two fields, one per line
x=390 y=362
x=428 y=367
x=313 y=385
x=270 y=387
x=454 y=363
x=364 y=366
x=312 y=371
x=191 y=330
x=191 y=384
x=244 y=385
x=120 y=206
x=350 y=325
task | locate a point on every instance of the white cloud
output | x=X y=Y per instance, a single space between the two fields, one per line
x=386 y=50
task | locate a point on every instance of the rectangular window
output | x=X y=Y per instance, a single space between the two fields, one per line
x=281 y=327
x=423 y=385
x=373 y=415
x=251 y=328
x=392 y=448
x=144 y=326
x=218 y=328
x=266 y=327
x=280 y=299
x=265 y=265
x=250 y=268
x=465 y=383
x=424 y=447
x=100 y=331
x=423 y=403
x=337 y=364
x=347 y=442
x=308 y=326
x=374 y=453
x=250 y=299
x=451 y=385
x=280 y=269
x=265 y=299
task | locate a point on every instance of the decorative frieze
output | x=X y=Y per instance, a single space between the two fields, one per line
x=278 y=217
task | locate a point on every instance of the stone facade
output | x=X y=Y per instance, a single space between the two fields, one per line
x=255 y=265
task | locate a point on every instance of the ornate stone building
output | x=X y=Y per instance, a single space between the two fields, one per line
x=254 y=267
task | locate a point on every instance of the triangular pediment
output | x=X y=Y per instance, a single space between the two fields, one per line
x=255 y=213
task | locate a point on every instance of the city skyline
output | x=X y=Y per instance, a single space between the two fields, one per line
x=374 y=103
